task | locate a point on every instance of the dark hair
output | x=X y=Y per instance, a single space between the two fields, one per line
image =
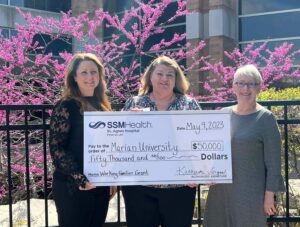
x=71 y=89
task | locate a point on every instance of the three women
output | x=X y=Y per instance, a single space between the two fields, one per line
x=255 y=152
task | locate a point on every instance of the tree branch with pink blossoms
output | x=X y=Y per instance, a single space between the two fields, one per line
x=31 y=74
x=274 y=65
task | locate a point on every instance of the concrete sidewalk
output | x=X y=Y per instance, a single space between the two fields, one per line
x=37 y=209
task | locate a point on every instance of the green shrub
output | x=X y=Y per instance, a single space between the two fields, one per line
x=284 y=94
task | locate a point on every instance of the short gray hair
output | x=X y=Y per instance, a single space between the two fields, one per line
x=248 y=70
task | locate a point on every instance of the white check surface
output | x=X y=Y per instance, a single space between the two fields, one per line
x=157 y=147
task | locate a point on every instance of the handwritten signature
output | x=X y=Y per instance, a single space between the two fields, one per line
x=184 y=171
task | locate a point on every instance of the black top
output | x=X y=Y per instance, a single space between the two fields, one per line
x=66 y=140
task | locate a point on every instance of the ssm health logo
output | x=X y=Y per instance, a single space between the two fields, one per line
x=120 y=124
x=95 y=125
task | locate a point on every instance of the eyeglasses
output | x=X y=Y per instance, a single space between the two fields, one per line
x=248 y=85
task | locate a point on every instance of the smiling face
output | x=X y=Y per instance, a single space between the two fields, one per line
x=87 y=77
x=246 y=88
x=163 y=79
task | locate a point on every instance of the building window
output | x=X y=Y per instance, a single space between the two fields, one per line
x=279 y=25
x=117 y=6
x=55 y=47
x=5 y=32
x=4 y=2
x=48 y=5
x=262 y=6
x=58 y=5
x=17 y=2
x=272 y=21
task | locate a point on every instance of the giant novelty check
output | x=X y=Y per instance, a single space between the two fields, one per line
x=157 y=147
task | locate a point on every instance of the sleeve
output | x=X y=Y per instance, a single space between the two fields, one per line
x=63 y=161
x=130 y=103
x=195 y=105
x=192 y=104
x=272 y=155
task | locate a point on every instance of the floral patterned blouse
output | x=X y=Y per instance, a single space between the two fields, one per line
x=181 y=102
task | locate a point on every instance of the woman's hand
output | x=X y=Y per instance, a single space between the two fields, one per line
x=112 y=191
x=269 y=204
x=140 y=109
x=88 y=186
x=136 y=109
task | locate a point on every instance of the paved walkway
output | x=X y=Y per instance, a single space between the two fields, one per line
x=38 y=210
x=37 y=207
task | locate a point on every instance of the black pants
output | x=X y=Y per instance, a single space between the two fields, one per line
x=80 y=208
x=151 y=207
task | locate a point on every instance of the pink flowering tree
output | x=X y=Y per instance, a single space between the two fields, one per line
x=274 y=65
x=31 y=74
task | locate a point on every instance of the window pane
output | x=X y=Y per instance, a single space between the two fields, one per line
x=57 y=46
x=269 y=26
x=115 y=6
x=155 y=1
x=29 y=4
x=13 y=32
x=58 y=5
x=49 y=5
x=260 y=6
x=5 y=2
x=40 y=4
x=17 y=2
x=4 y=32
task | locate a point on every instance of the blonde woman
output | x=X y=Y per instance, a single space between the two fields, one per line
x=164 y=87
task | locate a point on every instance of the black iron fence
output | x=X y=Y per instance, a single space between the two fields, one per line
x=25 y=128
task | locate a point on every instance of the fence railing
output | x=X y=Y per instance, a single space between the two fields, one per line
x=28 y=125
